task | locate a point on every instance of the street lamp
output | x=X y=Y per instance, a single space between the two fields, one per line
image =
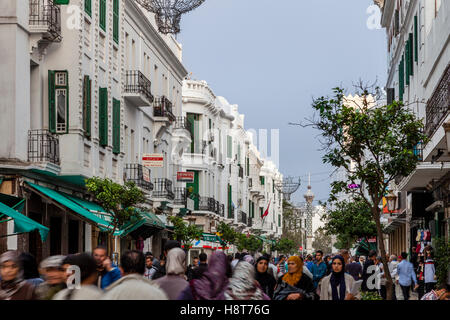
x=391 y=199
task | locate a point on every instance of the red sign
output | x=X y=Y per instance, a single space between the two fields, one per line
x=153 y=160
x=185 y=177
x=301 y=248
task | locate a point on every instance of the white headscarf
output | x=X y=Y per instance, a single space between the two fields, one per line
x=243 y=285
x=176 y=262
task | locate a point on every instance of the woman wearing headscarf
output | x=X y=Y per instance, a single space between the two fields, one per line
x=213 y=283
x=338 y=285
x=30 y=269
x=294 y=285
x=243 y=285
x=248 y=258
x=12 y=284
x=174 y=282
x=264 y=278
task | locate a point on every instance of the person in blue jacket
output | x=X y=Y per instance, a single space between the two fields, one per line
x=319 y=268
x=108 y=272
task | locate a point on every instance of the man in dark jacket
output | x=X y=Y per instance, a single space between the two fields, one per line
x=354 y=269
x=365 y=276
x=202 y=267
x=107 y=271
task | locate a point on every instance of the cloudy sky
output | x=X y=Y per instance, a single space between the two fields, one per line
x=272 y=57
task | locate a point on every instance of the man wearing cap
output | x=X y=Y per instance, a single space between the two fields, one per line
x=55 y=277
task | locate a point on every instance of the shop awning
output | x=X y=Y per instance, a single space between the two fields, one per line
x=70 y=204
x=147 y=219
x=22 y=223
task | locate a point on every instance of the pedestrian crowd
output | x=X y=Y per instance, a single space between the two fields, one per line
x=243 y=276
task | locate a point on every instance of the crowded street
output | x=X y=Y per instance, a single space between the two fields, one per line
x=230 y=150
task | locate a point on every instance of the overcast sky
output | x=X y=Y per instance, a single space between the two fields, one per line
x=272 y=57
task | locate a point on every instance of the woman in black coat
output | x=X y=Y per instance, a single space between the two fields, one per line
x=264 y=278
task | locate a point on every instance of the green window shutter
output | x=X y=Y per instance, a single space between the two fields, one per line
x=279 y=220
x=261 y=211
x=51 y=101
x=248 y=167
x=401 y=80
x=116 y=126
x=273 y=186
x=229 y=147
x=102 y=18
x=407 y=54
x=87 y=106
x=416 y=39
x=61 y=2
x=116 y=21
x=88 y=7
x=261 y=179
x=253 y=209
x=103 y=117
x=191 y=118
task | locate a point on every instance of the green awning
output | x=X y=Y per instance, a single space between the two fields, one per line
x=90 y=206
x=22 y=223
x=66 y=202
x=13 y=202
x=148 y=219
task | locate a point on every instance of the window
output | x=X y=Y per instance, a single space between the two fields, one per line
x=261 y=180
x=116 y=21
x=87 y=106
x=102 y=18
x=248 y=166
x=401 y=80
x=397 y=22
x=229 y=147
x=58 y=101
x=103 y=117
x=416 y=39
x=116 y=126
x=88 y=7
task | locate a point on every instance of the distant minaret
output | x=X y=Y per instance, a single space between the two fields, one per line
x=309 y=197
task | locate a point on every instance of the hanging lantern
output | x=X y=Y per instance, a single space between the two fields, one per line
x=168 y=12
x=391 y=199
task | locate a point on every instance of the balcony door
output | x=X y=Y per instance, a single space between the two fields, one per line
x=195 y=189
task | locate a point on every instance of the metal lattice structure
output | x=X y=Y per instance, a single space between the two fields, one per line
x=168 y=12
x=309 y=197
x=288 y=186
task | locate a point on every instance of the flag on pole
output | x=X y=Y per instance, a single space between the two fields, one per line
x=266 y=213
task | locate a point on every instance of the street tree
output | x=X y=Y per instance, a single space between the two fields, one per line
x=322 y=241
x=372 y=144
x=121 y=201
x=185 y=233
x=227 y=233
x=292 y=224
x=349 y=220
x=285 y=245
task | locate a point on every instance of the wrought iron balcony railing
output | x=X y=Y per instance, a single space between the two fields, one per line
x=139 y=175
x=180 y=196
x=206 y=204
x=230 y=212
x=182 y=123
x=439 y=104
x=162 y=107
x=43 y=146
x=222 y=210
x=241 y=171
x=45 y=15
x=163 y=188
x=242 y=217
x=136 y=82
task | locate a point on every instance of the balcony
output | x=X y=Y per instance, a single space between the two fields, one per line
x=182 y=123
x=241 y=171
x=163 y=189
x=162 y=108
x=43 y=146
x=438 y=107
x=242 y=218
x=230 y=212
x=139 y=175
x=138 y=89
x=180 y=197
x=206 y=204
x=222 y=210
x=45 y=19
x=250 y=222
